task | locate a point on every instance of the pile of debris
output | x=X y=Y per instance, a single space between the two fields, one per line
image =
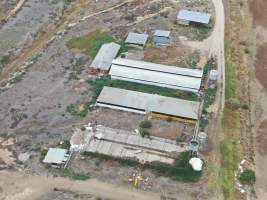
x=139 y=181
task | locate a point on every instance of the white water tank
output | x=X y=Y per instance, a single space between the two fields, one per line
x=196 y=163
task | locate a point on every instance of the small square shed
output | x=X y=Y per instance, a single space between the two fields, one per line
x=136 y=39
x=161 y=37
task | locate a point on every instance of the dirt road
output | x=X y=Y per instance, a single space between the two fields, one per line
x=214 y=47
x=18 y=186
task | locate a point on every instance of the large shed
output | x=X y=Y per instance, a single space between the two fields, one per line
x=136 y=39
x=105 y=55
x=156 y=74
x=143 y=103
x=184 y=17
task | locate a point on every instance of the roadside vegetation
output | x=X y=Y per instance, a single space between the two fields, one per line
x=229 y=147
x=92 y=42
x=99 y=83
x=70 y=174
x=181 y=170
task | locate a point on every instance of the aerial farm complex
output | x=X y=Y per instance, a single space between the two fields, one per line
x=121 y=99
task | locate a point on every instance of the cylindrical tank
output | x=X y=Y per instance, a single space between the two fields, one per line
x=193 y=145
x=202 y=138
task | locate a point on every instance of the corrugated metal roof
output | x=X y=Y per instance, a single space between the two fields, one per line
x=162 y=33
x=158 y=67
x=193 y=16
x=153 y=103
x=161 y=40
x=157 y=78
x=56 y=155
x=137 y=38
x=105 y=56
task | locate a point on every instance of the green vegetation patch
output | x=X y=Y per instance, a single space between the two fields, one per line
x=229 y=164
x=247 y=177
x=181 y=170
x=92 y=42
x=230 y=83
x=144 y=132
x=99 y=83
x=146 y=124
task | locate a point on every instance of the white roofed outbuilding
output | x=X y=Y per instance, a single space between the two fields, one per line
x=105 y=55
x=56 y=156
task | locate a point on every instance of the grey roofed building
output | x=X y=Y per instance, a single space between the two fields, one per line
x=56 y=156
x=142 y=103
x=156 y=74
x=162 y=33
x=192 y=16
x=137 y=39
x=105 y=56
x=161 y=37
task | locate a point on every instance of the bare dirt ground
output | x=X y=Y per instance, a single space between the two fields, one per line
x=5 y=8
x=33 y=111
x=258 y=9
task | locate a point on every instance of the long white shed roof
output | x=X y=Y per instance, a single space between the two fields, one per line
x=193 y=16
x=158 y=67
x=156 y=74
x=105 y=56
x=148 y=102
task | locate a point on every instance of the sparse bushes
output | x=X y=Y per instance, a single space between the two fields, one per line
x=146 y=124
x=78 y=110
x=247 y=177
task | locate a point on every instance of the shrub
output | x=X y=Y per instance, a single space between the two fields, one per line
x=65 y=145
x=43 y=153
x=247 y=177
x=145 y=124
x=144 y=132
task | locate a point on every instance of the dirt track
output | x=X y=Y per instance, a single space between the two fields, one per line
x=21 y=187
